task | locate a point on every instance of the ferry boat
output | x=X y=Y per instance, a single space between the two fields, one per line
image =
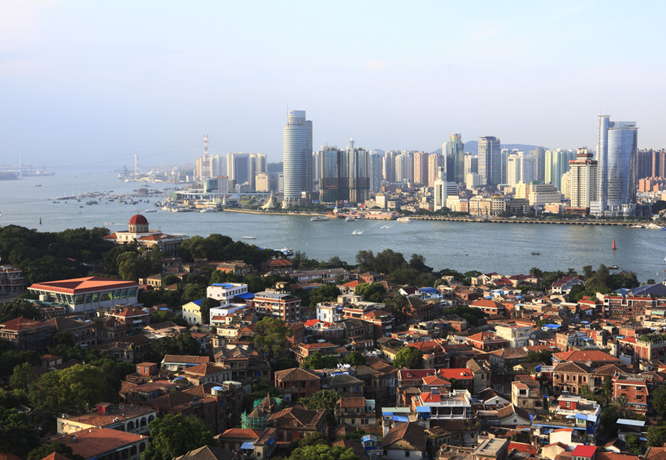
x=404 y=220
x=249 y=237
x=350 y=219
x=319 y=219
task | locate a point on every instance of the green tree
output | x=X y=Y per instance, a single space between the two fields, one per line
x=659 y=400
x=22 y=377
x=409 y=358
x=182 y=344
x=656 y=436
x=634 y=444
x=47 y=449
x=272 y=337
x=172 y=436
x=322 y=400
x=170 y=279
x=17 y=308
x=543 y=356
x=323 y=452
x=398 y=305
x=310 y=440
x=70 y=390
x=354 y=358
x=318 y=361
x=206 y=305
x=192 y=292
x=607 y=390
x=608 y=418
x=457 y=384
x=16 y=434
x=472 y=315
x=373 y=292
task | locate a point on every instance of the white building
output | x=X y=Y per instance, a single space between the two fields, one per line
x=329 y=312
x=440 y=190
x=518 y=336
x=297 y=156
x=225 y=292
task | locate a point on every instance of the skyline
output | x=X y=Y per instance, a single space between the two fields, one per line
x=96 y=83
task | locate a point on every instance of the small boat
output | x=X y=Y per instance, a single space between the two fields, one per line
x=38 y=185
x=319 y=219
x=56 y=202
x=350 y=219
x=358 y=232
x=404 y=220
x=150 y=210
x=614 y=267
x=534 y=253
x=249 y=237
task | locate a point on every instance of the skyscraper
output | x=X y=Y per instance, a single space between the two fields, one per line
x=455 y=158
x=421 y=167
x=490 y=160
x=439 y=189
x=238 y=167
x=297 y=156
x=616 y=154
x=583 y=187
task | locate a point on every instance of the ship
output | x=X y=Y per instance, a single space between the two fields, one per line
x=319 y=219
x=404 y=220
x=8 y=176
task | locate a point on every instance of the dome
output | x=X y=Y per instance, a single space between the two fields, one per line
x=138 y=219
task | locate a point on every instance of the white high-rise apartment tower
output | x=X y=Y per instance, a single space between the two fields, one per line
x=297 y=156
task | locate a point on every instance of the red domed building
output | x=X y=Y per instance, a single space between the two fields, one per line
x=139 y=231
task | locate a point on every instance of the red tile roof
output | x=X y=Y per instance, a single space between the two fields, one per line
x=584 y=451
x=79 y=285
x=22 y=324
x=96 y=442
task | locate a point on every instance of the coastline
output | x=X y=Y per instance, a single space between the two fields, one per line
x=456 y=219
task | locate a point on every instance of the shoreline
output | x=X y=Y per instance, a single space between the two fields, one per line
x=458 y=219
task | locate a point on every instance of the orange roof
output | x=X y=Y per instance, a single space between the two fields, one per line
x=587 y=355
x=79 y=285
x=461 y=373
x=522 y=447
x=22 y=324
x=95 y=442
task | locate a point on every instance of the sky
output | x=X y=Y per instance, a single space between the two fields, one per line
x=92 y=83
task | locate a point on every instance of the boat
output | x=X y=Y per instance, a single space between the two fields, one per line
x=209 y=210
x=654 y=227
x=249 y=237
x=285 y=251
x=38 y=185
x=614 y=267
x=150 y=210
x=319 y=219
x=358 y=232
x=404 y=220
x=534 y=253
x=350 y=219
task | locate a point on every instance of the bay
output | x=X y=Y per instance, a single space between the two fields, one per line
x=503 y=248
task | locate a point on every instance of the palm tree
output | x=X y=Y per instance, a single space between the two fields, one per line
x=622 y=406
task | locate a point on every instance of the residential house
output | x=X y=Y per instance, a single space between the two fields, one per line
x=492 y=449
x=84 y=332
x=406 y=440
x=105 y=444
x=297 y=383
x=356 y=411
x=123 y=417
x=277 y=304
x=175 y=363
x=27 y=334
x=486 y=341
x=344 y=384
x=295 y=423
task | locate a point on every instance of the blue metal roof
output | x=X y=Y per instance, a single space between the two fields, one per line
x=246 y=295
x=552 y=326
x=198 y=302
x=224 y=285
x=247 y=445
x=400 y=418
x=422 y=409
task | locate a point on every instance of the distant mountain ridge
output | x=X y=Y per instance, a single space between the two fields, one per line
x=473 y=147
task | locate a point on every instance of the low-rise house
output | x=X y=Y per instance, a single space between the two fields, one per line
x=133 y=318
x=123 y=417
x=481 y=375
x=105 y=444
x=294 y=423
x=487 y=341
x=215 y=373
x=492 y=449
x=407 y=440
x=527 y=396
x=344 y=384
x=493 y=399
x=192 y=312
x=356 y=411
x=175 y=363
x=455 y=405
x=27 y=334
x=277 y=304
x=208 y=453
x=517 y=336
x=507 y=416
x=237 y=267
x=297 y=383
x=507 y=357
x=84 y=332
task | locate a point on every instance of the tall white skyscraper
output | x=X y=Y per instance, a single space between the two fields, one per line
x=297 y=156
x=440 y=190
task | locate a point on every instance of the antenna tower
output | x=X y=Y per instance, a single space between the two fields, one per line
x=136 y=166
x=205 y=145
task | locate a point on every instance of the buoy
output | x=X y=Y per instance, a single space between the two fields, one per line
x=613 y=245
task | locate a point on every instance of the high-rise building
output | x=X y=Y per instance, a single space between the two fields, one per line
x=540 y=163
x=490 y=160
x=421 y=167
x=238 y=167
x=435 y=160
x=404 y=167
x=375 y=169
x=471 y=164
x=440 y=190
x=616 y=155
x=297 y=156
x=556 y=164
x=583 y=187
x=388 y=165
x=345 y=174
x=455 y=158
x=359 y=180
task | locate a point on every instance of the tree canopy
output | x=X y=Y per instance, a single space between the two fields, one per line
x=322 y=452
x=272 y=336
x=322 y=400
x=409 y=358
x=318 y=361
x=62 y=449
x=71 y=390
x=16 y=434
x=172 y=436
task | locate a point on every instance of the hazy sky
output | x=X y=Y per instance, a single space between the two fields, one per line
x=94 y=82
